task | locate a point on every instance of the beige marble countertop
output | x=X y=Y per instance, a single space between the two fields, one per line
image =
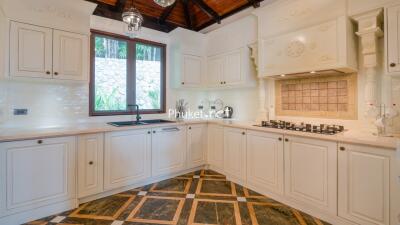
x=350 y=136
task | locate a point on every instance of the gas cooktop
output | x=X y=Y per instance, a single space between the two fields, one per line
x=303 y=127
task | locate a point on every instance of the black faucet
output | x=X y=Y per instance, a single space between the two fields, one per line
x=137 y=112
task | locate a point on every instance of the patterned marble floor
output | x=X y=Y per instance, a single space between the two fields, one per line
x=202 y=197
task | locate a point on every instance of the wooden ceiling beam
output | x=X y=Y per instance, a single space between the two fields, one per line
x=167 y=11
x=188 y=17
x=255 y=3
x=120 y=5
x=208 y=10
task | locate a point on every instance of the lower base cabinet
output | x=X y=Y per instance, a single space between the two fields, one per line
x=235 y=154
x=127 y=157
x=196 y=145
x=215 y=155
x=265 y=161
x=90 y=164
x=365 y=185
x=36 y=173
x=168 y=150
x=311 y=173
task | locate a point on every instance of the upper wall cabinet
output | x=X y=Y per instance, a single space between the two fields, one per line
x=393 y=50
x=231 y=69
x=327 y=46
x=187 y=58
x=47 y=53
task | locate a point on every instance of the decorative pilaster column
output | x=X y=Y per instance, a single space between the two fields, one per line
x=369 y=31
x=262 y=114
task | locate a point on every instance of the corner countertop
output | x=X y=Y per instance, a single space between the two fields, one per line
x=349 y=136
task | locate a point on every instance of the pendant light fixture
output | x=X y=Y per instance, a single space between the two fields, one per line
x=164 y=3
x=134 y=19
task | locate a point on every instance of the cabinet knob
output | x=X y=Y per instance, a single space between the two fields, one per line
x=190 y=128
x=342 y=149
x=40 y=141
x=222 y=82
x=56 y=73
x=280 y=139
x=183 y=83
x=287 y=140
x=91 y=163
x=48 y=72
x=393 y=64
x=154 y=131
x=149 y=132
x=243 y=133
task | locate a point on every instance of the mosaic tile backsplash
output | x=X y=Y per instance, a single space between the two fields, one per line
x=316 y=96
x=325 y=97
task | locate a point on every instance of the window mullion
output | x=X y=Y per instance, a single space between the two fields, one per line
x=130 y=88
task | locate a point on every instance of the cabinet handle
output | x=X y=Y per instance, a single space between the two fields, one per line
x=280 y=139
x=287 y=140
x=48 y=72
x=40 y=141
x=393 y=64
x=56 y=73
x=91 y=163
x=342 y=149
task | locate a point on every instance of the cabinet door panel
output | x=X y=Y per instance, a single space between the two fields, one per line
x=168 y=150
x=37 y=174
x=215 y=70
x=233 y=68
x=235 y=153
x=70 y=55
x=265 y=161
x=197 y=143
x=127 y=158
x=364 y=185
x=311 y=172
x=30 y=51
x=394 y=39
x=90 y=164
x=192 y=70
x=216 y=146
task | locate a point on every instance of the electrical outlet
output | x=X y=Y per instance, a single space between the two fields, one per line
x=20 y=112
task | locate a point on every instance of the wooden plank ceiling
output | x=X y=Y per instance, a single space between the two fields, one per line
x=190 y=14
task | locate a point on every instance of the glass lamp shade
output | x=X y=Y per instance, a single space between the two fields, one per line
x=164 y=3
x=133 y=18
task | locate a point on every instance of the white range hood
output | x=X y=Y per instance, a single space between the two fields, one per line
x=323 y=49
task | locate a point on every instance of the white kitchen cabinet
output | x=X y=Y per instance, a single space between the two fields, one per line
x=42 y=52
x=127 y=158
x=196 y=145
x=215 y=67
x=365 y=185
x=327 y=46
x=265 y=161
x=36 y=173
x=231 y=69
x=393 y=35
x=70 y=56
x=235 y=154
x=168 y=150
x=192 y=70
x=215 y=154
x=90 y=164
x=311 y=173
x=30 y=51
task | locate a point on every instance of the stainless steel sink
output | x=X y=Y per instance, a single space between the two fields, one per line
x=140 y=123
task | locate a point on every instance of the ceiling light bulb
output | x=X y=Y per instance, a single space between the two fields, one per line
x=164 y=3
x=313 y=72
x=283 y=75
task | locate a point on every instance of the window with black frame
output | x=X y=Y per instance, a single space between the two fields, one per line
x=126 y=72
